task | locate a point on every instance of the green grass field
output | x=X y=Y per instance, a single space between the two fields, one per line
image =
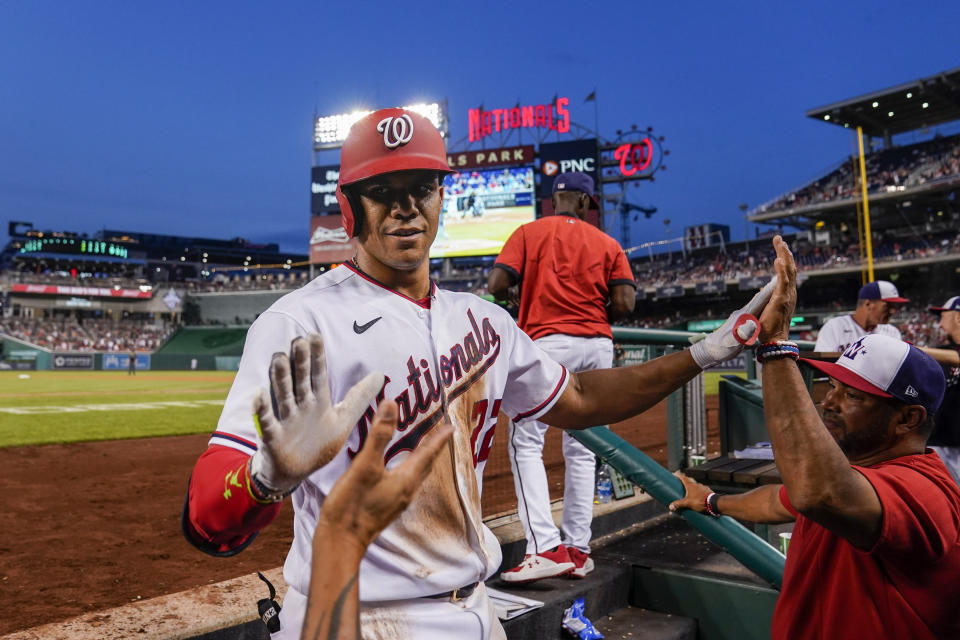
x=56 y=406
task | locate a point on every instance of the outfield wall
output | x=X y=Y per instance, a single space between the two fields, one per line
x=193 y=348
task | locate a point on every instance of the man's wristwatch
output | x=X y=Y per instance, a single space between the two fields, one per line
x=262 y=493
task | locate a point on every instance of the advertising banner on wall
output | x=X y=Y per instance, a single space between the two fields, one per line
x=753 y=283
x=328 y=240
x=670 y=291
x=73 y=361
x=561 y=157
x=121 y=362
x=63 y=290
x=714 y=286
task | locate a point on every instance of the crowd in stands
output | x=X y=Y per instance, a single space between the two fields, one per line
x=90 y=334
x=720 y=264
x=887 y=170
x=251 y=282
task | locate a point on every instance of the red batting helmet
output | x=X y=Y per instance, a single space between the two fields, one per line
x=382 y=142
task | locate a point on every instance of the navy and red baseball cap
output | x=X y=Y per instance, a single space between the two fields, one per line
x=889 y=368
x=953 y=304
x=576 y=181
x=881 y=290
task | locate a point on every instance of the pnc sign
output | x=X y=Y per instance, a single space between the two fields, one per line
x=554 y=116
x=561 y=157
x=553 y=167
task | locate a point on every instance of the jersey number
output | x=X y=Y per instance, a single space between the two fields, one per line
x=481 y=453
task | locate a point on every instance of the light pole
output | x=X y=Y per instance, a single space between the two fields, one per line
x=746 y=225
x=666 y=224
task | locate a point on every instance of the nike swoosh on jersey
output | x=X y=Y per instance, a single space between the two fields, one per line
x=360 y=328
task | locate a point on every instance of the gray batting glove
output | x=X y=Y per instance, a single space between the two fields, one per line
x=300 y=431
x=730 y=338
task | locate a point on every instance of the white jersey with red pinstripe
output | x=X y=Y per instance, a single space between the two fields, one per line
x=452 y=354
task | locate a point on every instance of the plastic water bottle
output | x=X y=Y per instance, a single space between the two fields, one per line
x=604 y=485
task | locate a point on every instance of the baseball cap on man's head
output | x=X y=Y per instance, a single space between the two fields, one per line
x=953 y=304
x=881 y=290
x=889 y=368
x=576 y=181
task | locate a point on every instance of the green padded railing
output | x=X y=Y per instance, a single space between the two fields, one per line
x=636 y=466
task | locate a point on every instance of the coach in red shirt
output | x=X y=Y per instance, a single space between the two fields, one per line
x=875 y=551
x=573 y=280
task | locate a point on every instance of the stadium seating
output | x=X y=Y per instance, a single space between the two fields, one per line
x=887 y=169
x=92 y=334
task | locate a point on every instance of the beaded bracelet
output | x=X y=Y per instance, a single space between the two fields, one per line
x=778 y=349
x=711 y=504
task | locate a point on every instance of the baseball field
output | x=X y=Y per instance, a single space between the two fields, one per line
x=43 y=407
x=94 y=468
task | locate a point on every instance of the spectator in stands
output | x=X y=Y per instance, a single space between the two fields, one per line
x=945 y=439
x=875 y=551
x=876 y=304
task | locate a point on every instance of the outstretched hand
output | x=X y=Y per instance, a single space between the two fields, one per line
x=301 y=431
x=369 y=496
x=775 y=319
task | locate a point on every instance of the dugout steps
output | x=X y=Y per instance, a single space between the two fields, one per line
x=656 y=577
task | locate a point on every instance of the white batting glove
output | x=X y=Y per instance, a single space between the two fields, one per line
x=301 y=432
x=730 y=338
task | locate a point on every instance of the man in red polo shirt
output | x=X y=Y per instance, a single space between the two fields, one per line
x=875 y=551
x=573 y=280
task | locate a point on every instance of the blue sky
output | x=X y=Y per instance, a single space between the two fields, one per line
x=195 y=118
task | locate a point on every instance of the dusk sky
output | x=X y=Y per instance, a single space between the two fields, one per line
x=195 y=118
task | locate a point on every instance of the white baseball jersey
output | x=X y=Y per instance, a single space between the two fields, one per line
x=838 y=333
x=459 y=353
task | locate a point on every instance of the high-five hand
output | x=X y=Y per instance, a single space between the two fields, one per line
x=301 y=432
x=733 y=335
x=368 y=496
x=775 y=319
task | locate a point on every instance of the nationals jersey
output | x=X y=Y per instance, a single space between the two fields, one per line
x=838 y=333
x=451 y=354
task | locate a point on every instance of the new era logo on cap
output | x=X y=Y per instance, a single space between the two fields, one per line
x=953 y=304
x=880 y=290
x=890 y=368
x=576 y=181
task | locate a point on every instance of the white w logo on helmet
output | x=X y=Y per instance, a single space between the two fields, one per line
x=396 y=131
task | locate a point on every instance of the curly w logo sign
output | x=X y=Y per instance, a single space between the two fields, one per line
x=396 y=131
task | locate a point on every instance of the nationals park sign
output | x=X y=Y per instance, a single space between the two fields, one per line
x=554 y=116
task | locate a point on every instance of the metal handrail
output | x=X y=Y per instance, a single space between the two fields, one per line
x=643 y=471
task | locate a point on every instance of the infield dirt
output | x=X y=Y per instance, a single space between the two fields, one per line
x=90 y=526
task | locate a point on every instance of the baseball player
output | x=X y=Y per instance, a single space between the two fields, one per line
x=876 y=304
x=319 y=360
x=569 y=272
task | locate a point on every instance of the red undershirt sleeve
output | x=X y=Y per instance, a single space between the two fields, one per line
x=785 y=501
x=220 y=516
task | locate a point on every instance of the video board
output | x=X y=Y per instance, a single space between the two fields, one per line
x=481 y=208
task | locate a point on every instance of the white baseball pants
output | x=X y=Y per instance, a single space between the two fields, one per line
x=526 y=458
x=420 y=618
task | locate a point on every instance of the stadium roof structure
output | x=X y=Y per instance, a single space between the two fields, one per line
x=906 y=107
